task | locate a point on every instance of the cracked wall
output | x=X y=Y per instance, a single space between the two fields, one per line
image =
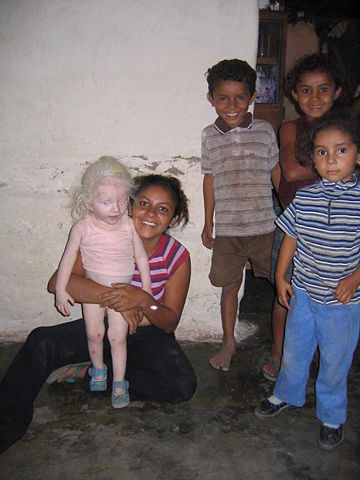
x=106 y=77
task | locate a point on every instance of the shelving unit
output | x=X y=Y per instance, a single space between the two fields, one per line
x=270 y=67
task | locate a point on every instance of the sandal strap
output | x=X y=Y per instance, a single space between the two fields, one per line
x=120 y=384
x=75 y=375
x=93 y=372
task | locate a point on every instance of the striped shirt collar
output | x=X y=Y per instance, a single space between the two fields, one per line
x=223 y=127
x=340 y=185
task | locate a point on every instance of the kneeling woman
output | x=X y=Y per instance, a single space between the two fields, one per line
x=157 y=368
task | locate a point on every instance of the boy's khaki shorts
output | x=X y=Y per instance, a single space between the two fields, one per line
x=230 y=255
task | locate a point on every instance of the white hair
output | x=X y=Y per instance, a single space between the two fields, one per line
x=104 y=168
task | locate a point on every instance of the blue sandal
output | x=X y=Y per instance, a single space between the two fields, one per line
x=120 y=400
x=98 y=385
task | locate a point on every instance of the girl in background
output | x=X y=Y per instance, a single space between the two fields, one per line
x=315 y=83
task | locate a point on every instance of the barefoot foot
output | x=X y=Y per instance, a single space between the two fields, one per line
x=222 y=359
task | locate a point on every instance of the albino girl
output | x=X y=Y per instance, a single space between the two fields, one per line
x=109 y=247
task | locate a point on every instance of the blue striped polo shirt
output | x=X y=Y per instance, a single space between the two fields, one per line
x=325 y=220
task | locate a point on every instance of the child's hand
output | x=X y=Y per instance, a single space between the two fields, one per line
x=206 y=236
x=284 y=291
x=62 y=300
x=346 y=289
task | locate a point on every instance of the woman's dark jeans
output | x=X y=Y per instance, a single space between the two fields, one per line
x=157 y=369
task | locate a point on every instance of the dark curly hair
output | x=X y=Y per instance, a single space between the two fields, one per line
x=304 y=147
x=173 y=186
x=237 y=70
x=313 y=63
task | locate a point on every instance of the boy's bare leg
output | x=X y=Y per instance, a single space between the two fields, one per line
x=229 y=307
x=278 y=332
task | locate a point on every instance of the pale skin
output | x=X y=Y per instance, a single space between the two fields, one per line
x=231 y=100
x=108 y=209
x=315 y=94
x=153 y=213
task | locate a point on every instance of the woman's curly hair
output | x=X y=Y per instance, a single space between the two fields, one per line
x=313 y=63
x=173 y=186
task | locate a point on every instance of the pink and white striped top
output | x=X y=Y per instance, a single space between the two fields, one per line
x=167 y=258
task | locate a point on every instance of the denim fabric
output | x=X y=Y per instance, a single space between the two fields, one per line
x=157 y=369
x=335 y=329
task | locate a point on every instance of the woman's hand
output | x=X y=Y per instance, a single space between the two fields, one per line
x=123 y=297
x=133 y=318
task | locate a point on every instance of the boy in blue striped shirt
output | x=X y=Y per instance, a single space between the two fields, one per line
x=322 y=235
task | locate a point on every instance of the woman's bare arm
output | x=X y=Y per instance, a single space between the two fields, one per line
x=126 y=297
x=80 y=288
x=166 y=315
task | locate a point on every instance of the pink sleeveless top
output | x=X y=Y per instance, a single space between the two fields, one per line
x=108 y=252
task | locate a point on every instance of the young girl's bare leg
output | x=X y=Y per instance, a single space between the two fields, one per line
x=95 y=330
x=117 y=333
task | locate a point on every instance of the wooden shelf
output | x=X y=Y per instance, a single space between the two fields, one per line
x=270 y=67
x=267 y=61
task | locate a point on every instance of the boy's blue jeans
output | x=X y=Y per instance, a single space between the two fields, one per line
x=335 y=329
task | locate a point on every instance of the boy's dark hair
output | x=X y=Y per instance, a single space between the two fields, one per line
x=304 y=147
x=313 y=63
x=173 y=186
x=236 y=70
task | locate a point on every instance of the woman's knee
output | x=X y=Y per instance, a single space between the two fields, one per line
x=39 y=340
x=40 y=349
x=185 y=386
x=185 y=390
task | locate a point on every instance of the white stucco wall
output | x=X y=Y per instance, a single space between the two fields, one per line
x=83 y=78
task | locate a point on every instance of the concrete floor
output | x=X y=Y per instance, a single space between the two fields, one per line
x=213 y=436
